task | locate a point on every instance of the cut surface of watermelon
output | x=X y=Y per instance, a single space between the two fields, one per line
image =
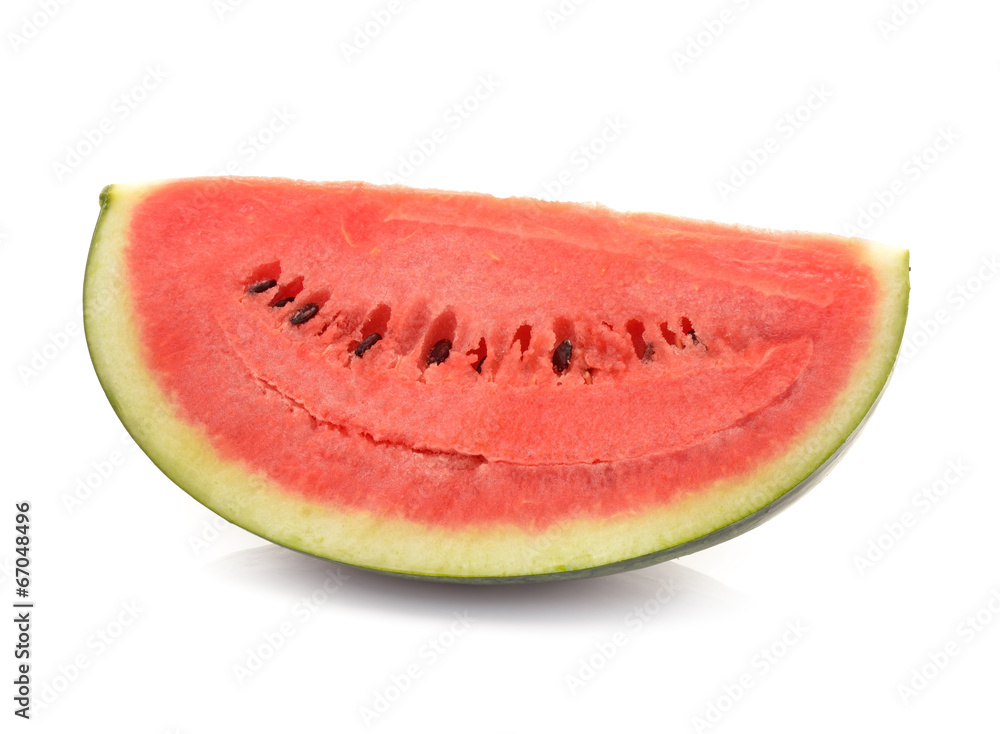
x=460 y=386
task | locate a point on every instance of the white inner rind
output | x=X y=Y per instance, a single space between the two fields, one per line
x=254 y=502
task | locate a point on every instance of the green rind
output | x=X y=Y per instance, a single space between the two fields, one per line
x=238 y=495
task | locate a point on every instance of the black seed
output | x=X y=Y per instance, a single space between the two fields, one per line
x=694 y=337
x=439 y=352
x=562 y=356
x=367 y=343
x=647 y=356
x=262 y=286
x=283 y=302
x=304 y=314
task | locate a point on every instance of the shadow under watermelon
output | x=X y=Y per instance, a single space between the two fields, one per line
x=670 y=586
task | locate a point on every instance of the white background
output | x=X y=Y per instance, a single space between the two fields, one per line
x=844 y=632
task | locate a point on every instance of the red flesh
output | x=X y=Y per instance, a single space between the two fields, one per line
x=777 y=330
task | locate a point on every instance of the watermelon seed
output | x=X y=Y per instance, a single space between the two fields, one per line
x=283 y=302
x=367 y=343
x=439 y=352
x=261 y=286
x=304 y=314
x=647 y=355
x=688 y=328
x=562 y=356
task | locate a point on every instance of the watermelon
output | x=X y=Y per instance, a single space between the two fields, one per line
x=463 y=387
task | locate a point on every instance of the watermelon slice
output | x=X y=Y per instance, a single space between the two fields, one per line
x=464 y=387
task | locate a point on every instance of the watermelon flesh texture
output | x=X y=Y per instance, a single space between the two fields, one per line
x=455 y=385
